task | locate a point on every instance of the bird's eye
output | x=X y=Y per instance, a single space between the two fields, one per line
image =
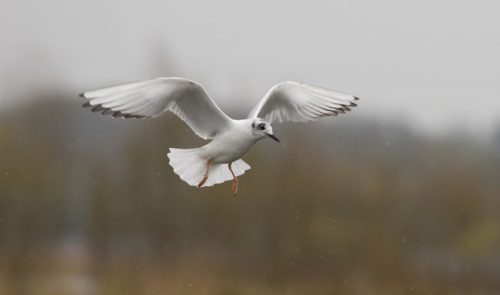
x=261 y=126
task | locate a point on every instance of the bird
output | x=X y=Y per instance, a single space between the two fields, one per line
x=220 y=159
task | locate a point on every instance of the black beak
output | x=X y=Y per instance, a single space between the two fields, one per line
x=273 y=137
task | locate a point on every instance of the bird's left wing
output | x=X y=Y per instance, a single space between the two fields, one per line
x=150 y=98
x=297 y=102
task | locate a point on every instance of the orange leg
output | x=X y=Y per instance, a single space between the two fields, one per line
x=205 y=176
x=235 y=181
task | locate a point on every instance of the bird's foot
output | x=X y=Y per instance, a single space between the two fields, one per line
x=202 y=182
x=205 y=176
x=235 y=180
x=235 y=187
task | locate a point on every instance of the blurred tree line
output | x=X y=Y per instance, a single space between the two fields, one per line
x=89 y=205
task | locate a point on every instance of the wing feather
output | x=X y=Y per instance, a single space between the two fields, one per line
x=297 y=102
x=150 y=98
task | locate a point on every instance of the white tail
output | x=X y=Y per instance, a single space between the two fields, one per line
x=191 y=168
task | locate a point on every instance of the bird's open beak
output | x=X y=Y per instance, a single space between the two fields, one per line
x=273 y=137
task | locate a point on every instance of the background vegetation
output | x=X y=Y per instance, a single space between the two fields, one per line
x=350 y=205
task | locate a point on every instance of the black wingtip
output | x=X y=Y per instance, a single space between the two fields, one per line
x=118 y=114
x=346 y=108
x=356 y=98
x=82 y=95
x=97 y=108
x=107 y=112
x=340 y=110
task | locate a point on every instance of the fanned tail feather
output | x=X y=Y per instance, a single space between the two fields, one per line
x=191 y=167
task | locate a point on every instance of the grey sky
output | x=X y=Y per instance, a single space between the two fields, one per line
x=434 y=62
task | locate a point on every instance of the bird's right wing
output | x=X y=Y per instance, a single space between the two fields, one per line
x=150 y=98
x=298 y=102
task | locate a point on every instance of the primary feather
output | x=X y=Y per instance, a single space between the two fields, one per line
x=150 y=98
x=297 y=102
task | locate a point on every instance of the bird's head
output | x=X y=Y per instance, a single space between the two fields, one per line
x=262 y=129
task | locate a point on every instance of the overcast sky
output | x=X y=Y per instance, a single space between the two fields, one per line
x=435 y=63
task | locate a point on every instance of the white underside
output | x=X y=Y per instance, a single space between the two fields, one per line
x=190 y=166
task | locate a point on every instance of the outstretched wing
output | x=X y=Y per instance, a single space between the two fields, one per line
x=297 y=102
x=150 y=98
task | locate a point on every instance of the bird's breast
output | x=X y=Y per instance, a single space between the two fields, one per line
x=227 y=149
